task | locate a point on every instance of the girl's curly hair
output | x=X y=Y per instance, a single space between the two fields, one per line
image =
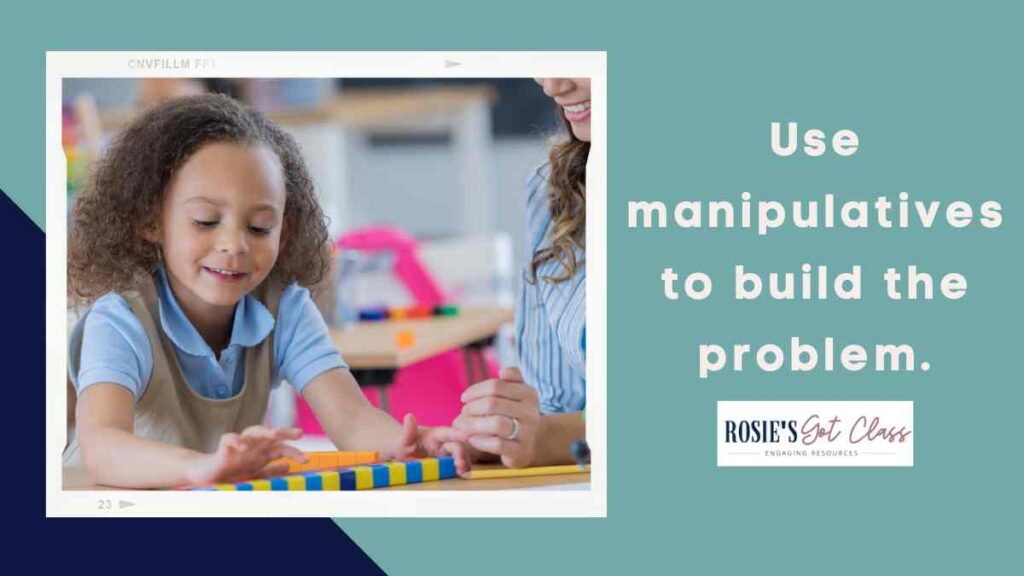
x=122 y=199
x=567 y=199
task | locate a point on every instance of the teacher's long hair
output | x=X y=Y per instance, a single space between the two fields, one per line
x=567 y=198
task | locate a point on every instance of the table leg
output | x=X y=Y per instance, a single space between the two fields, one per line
x=476 y=363
x=379 y=379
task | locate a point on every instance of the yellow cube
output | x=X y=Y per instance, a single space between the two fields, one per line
x=431 y=470
x=396 y=473
x=260 y=485
x=330 y=480
x=364 y=477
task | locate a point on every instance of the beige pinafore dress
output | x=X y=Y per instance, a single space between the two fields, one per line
x=171 y=412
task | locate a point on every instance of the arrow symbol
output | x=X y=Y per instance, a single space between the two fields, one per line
x=124 y=503
x=451 y=63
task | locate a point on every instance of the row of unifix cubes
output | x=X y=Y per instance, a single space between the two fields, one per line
x=378 y=313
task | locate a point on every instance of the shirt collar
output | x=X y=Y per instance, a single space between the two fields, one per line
x=251 y=325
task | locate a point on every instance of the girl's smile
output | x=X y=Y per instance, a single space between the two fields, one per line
x=225 y=275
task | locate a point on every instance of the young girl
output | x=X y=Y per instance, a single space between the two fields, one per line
x=532 y=416
x=190 y=244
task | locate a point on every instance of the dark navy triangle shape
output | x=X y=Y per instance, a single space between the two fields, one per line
x=118 y=545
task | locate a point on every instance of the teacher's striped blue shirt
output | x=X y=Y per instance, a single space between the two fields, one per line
x=551 y=320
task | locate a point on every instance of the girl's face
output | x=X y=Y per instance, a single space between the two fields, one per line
x=573 y=95
x=221 y=223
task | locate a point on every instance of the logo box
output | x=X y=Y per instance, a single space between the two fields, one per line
x=815 y=433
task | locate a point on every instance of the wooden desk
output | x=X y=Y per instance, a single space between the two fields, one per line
x=77 y=479
x=373 y=355
x=498 y=483
x=371 y=345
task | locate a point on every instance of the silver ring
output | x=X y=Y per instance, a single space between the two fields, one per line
x=515 y=429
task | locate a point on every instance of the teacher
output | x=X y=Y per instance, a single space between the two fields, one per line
x=531 y=416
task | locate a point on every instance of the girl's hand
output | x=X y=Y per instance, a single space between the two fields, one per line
x=431 y=441
x=501 y=417
x=247 y=455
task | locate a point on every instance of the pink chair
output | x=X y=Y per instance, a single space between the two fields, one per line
x=430 y=389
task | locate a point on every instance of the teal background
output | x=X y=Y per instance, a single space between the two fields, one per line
x=936 y=98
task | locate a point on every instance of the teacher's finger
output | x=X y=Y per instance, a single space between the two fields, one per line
x=494 y=445
x=490 y=405
x=488 y=425
x=501 y=389
x=511 y=373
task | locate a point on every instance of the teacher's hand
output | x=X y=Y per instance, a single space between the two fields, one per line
x=502 y=416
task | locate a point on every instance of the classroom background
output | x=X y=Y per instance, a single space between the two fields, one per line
x=424 y=185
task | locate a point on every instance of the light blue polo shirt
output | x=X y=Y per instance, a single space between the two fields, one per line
x=115 y=347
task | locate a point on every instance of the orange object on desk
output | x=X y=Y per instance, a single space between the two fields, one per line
x=327 y=460
x=405 y=339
